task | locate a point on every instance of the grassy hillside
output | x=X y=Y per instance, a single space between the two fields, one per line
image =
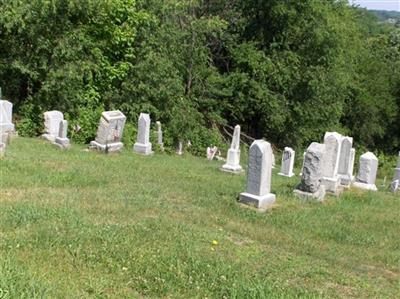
x=78 y=224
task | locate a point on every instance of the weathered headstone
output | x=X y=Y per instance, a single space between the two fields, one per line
x=6 y=125
x=211 y=152
x=143 y=145
x=351 y=163
x=179 y=151
x=159 y=136
x=233 y=158
x=62 y=139
x=396 y=179
x=259 y=176
x=367 y=172
x=52 y=121
x=287 y=162
x=2 y=149
x=301 y=171
x=345 y=161
x=109 y=132
x=311 y=187
x=330 y=178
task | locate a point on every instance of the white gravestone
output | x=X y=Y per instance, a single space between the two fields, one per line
x=6 y=125
x=351 y=163
x=2 y=149
x=143 y=145
x=396 y=179
x=211 y=152
x=259 y=176
x=367 y=172
x=344 y=167
x=159 y=136
x=180 y=148
x=333 y=145
x=233 y=158
x=311 y=187
x=62 y=140
x=301 y=171
x=109 y=132
x=52 y=121
x=287 y=162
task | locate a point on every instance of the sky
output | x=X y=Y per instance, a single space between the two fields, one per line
x=378 y=4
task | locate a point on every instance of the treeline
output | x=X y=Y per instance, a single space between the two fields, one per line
x=285 y=70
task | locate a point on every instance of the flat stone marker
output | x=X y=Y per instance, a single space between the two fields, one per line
x=6 y=125
x=232 y=164
x=345 y=168
x=160 y=136
x=109 y=132
x=396 y=178
x=287 y=162
x=311 y=187
x=61 y=140
x=330 y=178
x=367 y=172
x=52 y=121
x=258 y=186
x=143 y=145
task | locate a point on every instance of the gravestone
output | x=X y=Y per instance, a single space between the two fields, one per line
x=396 y=179
x=143 y=145
x=273 y=160
x=301 y=171
x=211 y=152
x=61 y=140
x=367 y=172
x=287 y=162
x=258 y=186
x=311 y=187
x=179 y=151
x=232 y=164
x=6 y=125
x=351 y=163
x=2 y=149
x=333 y=145
x=159 y=136
x=52 y=121
x=344 y=168
x=109 y=132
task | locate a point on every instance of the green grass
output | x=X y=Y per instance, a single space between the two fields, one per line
x=78 y=224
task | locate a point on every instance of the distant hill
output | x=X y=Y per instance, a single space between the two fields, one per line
x=386 y=16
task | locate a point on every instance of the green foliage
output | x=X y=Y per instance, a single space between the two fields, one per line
x=285 y=70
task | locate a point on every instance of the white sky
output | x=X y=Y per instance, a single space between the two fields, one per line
x=378 y=4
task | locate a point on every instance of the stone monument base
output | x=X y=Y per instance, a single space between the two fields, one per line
x=62 y=142
x=319 y=195
x=365 y=186
x=260 y=202
x=286 y=175
x=143 y=149
x=236 y=169
x=110 y=147
x=331 y=185
x=7 y=127
x=49 y=137
x=345 y=181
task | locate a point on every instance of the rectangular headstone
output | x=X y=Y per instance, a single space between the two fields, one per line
x=62 y=140
x=259 y=174
x=287 y=162
x=52 y=121
x=6 y=124
x=143 y=145
x=109 y=132
x=367 y=172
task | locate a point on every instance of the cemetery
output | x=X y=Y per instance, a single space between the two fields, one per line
x=199 y=150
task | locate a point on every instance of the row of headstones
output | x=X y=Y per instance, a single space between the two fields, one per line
x=327 y=167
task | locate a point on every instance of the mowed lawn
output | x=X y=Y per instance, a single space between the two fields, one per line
x=79 y=224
